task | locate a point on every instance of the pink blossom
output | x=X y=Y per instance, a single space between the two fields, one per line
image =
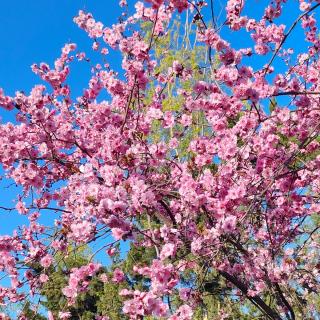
x=64 y=315
x=168 y=250
x=46 y=261
x=211 y=164
x=118 y=276
x=50 y=315
x=43 y=278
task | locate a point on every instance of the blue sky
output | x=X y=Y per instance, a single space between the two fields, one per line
x=33 y=32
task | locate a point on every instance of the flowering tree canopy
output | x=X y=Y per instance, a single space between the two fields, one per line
x=210 y=161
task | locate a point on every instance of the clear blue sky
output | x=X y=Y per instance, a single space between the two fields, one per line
x=34 y=31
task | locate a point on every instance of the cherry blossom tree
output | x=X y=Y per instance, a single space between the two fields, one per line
x=208 y=164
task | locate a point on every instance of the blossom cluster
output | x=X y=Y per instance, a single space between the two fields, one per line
x=232 y=184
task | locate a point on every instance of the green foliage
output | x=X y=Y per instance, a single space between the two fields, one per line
x=109 y=302
x=55 y=301
x=100 y=298
x=29 y=313
x=175 y=45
